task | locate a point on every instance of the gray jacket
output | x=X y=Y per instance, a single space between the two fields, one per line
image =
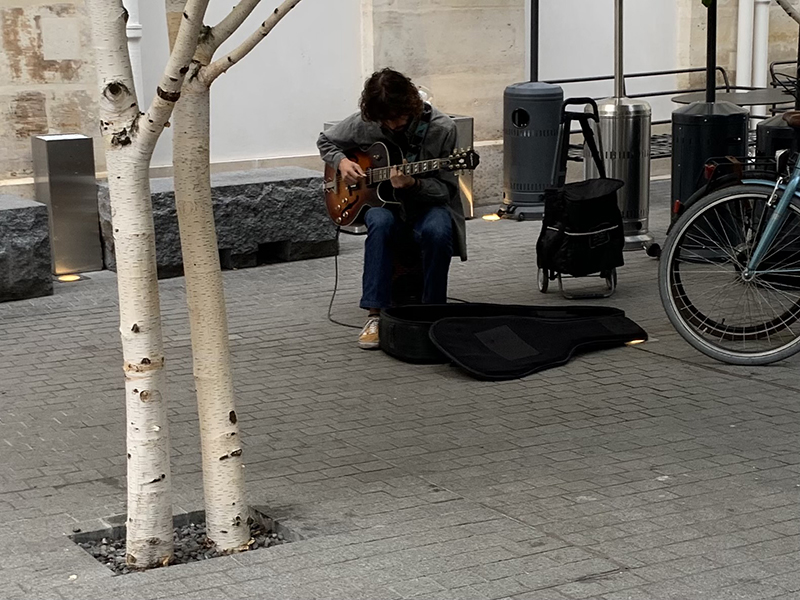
x=435 y=189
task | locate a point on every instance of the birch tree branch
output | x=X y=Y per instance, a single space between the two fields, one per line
x=790 y=10
x=208 y=74
x=225 y=28
x=169 y=89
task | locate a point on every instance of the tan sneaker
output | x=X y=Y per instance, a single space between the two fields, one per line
x=368 y=338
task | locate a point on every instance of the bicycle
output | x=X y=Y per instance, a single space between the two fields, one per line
x=729 y=276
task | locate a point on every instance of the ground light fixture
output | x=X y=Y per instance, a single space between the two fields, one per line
x=69 y=278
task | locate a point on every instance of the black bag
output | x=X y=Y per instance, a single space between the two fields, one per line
x=582 y=226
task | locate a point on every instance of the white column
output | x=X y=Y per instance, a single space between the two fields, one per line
x=744 y=44
x=134 y=30
x=760 y=49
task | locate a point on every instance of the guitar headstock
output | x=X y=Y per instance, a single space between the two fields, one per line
x=463 y=159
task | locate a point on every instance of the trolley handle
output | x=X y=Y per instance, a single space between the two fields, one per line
x=595 y=114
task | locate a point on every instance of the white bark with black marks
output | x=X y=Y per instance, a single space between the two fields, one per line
x=129 y=139
x=227 y=516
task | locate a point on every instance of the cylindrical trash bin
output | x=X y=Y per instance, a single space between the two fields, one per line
x=624 y=129
x=700 y=131
x=774 y=134
x=531 y=116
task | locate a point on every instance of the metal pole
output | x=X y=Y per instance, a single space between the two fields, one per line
x=797 y=79
x=619 y=63
x=534 y=40
x=711 y=53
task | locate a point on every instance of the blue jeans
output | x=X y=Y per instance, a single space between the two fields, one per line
x=432 y=231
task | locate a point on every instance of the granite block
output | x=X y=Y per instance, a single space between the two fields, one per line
x=261 y=215
x=25 y=264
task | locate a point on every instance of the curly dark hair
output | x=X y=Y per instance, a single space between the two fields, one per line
x=388 y=95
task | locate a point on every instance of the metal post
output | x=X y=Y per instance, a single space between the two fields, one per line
x=534 y=40
x=711 y=53
x=797 y=79
x=619 y=63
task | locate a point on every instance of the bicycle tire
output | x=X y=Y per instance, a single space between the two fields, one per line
x=696 y=239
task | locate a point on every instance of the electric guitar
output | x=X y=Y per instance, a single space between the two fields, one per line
x=345 y=203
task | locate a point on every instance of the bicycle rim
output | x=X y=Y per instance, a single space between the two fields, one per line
x=707 y=298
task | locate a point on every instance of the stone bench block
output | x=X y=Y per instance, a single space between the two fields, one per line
x=25 y=267
x=262 y=216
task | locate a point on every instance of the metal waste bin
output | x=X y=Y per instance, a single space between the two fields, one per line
x=701 y=131
x=704 y=130
x=624 y=129
x=531 y=116
x=774 y=134
x=64 y=178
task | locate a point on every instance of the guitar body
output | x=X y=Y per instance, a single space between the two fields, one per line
x=347 y=203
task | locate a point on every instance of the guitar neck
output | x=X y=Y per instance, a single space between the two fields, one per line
x=378 y=174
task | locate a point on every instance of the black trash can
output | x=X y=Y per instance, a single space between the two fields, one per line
x=531 y=116
x=774 y=134
x=700 y=131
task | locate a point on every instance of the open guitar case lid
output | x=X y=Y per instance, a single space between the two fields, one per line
x=498 y=341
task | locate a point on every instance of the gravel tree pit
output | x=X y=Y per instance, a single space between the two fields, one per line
x=189 y=536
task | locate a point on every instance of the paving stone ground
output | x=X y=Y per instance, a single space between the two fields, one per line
x=634 y=473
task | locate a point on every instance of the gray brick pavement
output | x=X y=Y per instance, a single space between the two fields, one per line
x=641 y=473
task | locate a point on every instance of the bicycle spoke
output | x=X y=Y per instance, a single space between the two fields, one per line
x=713 y=300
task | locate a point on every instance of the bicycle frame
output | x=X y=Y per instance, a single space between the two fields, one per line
x=788 y=191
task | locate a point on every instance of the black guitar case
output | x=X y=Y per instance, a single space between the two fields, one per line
x=509 y=347
x=404 y=330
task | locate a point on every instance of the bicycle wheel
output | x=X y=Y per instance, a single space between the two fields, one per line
x=712 y=305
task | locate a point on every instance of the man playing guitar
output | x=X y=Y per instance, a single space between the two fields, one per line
x=426 y=205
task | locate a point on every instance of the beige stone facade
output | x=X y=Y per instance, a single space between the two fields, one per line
x=783 y=32
x=47 y=78
x=465 y=51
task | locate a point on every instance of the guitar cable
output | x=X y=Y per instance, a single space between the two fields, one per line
x=336 y=285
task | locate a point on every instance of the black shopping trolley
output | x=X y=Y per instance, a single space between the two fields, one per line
x=582 y=232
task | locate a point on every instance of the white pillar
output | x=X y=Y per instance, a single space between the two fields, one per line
x=134 y=31
x=744 y=44
x=760 y=49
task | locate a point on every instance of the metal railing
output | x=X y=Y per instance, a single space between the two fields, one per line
x=726 y=84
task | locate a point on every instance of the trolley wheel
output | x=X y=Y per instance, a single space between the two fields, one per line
x=521 y=216
x=653 y=250
x=611 y=279
x=543 y=280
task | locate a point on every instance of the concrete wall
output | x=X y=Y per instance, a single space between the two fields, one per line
x=466 y=51
x=46 y=78
x=273 y=103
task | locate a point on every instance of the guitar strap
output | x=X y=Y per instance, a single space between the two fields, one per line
x=418 y=137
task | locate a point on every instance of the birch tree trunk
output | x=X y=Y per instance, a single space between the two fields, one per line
x=227 y=515
x=129 y=138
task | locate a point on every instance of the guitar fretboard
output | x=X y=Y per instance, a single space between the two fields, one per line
x=378 y=174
